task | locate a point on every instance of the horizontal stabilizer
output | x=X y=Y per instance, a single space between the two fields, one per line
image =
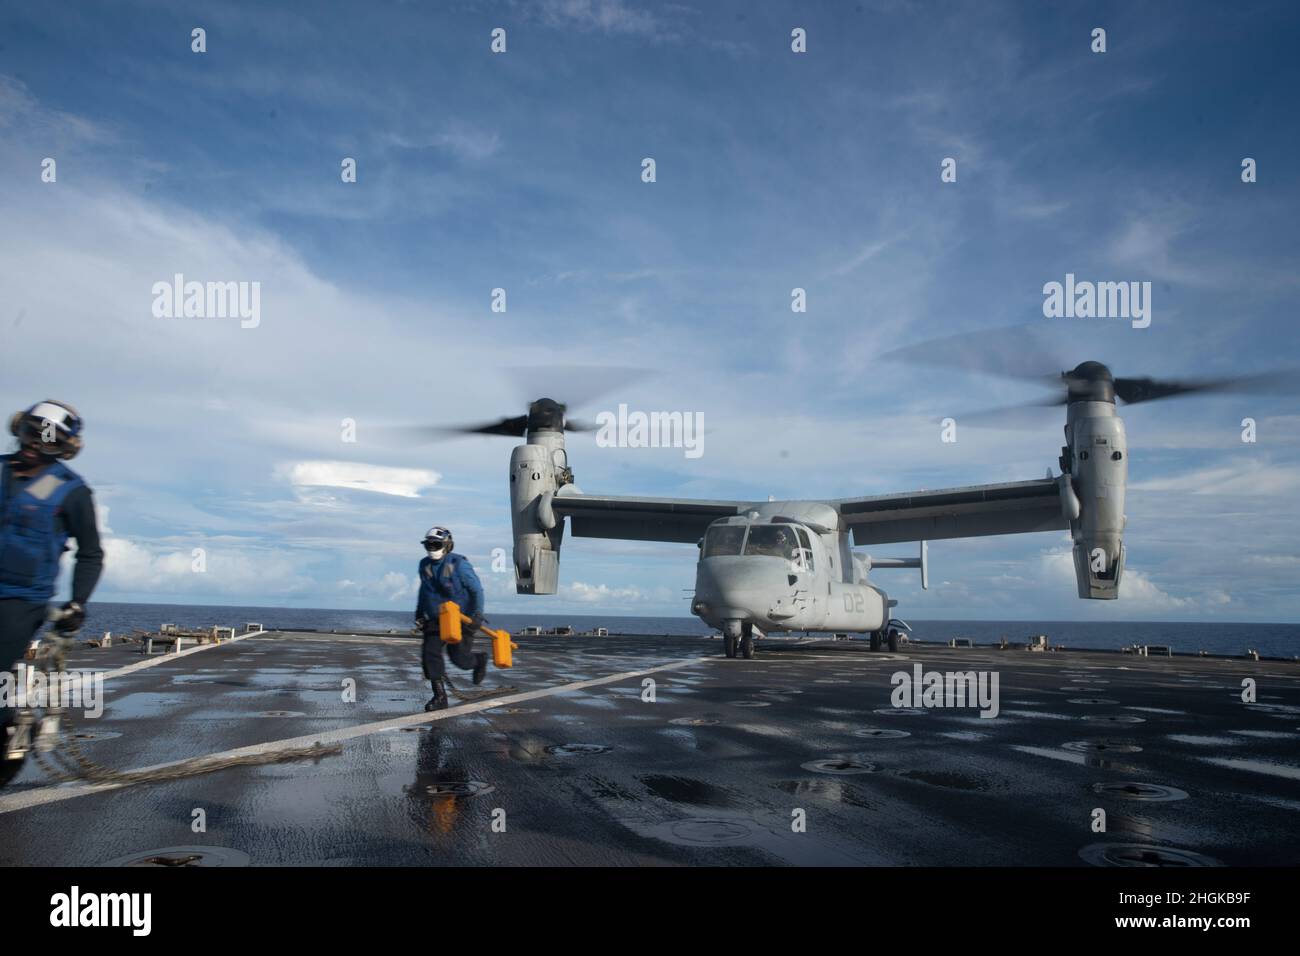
x=922 y=562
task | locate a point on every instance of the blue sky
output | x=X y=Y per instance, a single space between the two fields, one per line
x=522 y=171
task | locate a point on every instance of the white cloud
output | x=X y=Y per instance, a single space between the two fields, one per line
x=604 y=16
x=1284 y=561
x=461 y=139
x=1243 y=478
x=402 y=482
x=393 y=586
x=230 y=569
x=19 y=107
x=1045 y=209
x=602 y=594
x=1139 y=595
x=1166 y=242
x=865 y=254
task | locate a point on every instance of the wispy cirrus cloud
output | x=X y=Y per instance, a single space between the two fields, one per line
x=463 y=140
x=1252 y=478
x=20 y=111
x=603 y=16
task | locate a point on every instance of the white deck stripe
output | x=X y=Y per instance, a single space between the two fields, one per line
x=1257 y=766
x=168 y=656
x=394 y=639
x=1051 y=754
x=162 y=658
x=44 y=795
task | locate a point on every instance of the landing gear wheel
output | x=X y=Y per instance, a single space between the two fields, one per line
x=893 y=641
x=728 y=645
x=747 y=642
x=875 y=640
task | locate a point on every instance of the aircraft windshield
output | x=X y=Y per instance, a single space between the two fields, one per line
x=772 y=540
x=724 y=539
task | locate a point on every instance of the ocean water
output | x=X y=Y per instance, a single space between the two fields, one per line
x=1271 y=640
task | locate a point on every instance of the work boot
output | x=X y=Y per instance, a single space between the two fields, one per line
x=439 y=699
x=10 y=764
x=10 y=768
x=480 y=667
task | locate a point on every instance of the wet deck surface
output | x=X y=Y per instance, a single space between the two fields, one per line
x=711 y=772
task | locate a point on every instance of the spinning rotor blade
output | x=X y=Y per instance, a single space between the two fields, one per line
x=423 y=434
x=582 y=383
x=1027 y=415
x=579 y=384
x=1134 y=390
x=514 y=427
x=1020 y=352
x=1017 y=351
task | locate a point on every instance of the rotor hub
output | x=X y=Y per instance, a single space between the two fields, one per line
x=546 y=414
x=1090 y=382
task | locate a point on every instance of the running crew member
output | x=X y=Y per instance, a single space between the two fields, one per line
x=445 y=576
x=43 y=503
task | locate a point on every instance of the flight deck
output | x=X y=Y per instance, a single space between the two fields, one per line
x=651 y=750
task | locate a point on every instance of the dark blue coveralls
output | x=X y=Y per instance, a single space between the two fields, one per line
x=450 y=578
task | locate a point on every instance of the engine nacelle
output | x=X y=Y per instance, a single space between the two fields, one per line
x=537 y=471
x=1098 y=464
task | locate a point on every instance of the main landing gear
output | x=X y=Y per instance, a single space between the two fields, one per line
x=881 y=637
x=738 y=637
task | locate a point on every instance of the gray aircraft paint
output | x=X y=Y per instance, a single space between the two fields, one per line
x=828 y=589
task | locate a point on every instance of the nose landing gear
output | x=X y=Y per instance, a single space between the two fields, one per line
x=738 y=637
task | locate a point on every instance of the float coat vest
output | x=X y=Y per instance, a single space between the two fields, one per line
x=451 y=578
x=32 y=537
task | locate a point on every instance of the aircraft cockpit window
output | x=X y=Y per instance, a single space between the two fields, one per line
x=806 y=559
x=724 y=539
x=772 y=540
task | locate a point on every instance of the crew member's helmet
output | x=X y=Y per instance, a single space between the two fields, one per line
x=49 y=427
x=438 y=542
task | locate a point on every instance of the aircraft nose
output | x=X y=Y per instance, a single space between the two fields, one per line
x=737 y=588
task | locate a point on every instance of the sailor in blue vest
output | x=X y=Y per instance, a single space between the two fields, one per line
x=43 y=503
x=445 y=576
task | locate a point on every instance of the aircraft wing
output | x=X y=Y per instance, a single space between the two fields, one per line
x=641 y=519
x=1013 y=507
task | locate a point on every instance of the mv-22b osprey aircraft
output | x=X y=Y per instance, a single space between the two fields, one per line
x=788 y=565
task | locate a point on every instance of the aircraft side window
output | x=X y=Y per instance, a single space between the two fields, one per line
x=724 y=539
x=806 y=544
x=772 y=540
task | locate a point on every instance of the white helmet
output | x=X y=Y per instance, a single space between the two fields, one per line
x=51 y=427
x=438 y=542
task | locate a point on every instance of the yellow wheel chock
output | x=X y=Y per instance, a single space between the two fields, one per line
x=450 y=619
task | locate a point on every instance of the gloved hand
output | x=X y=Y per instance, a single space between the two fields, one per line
x=475 y=622
x=420 y=624
x=69 y=618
